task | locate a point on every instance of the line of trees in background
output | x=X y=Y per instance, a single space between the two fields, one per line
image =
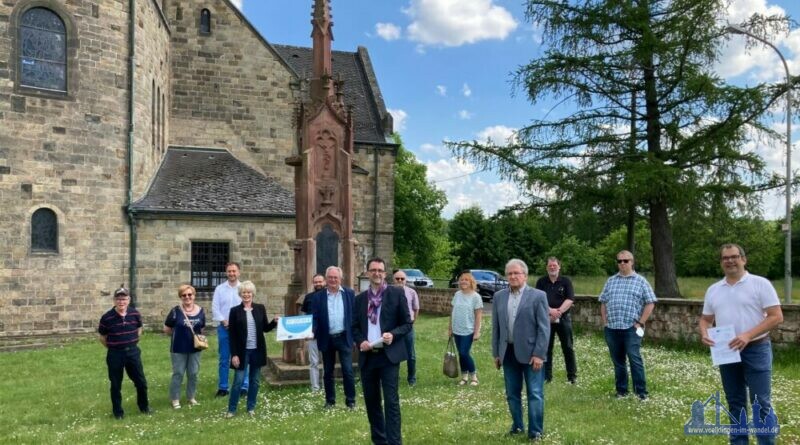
x=584 y=238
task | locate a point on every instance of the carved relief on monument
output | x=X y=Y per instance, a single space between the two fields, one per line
x=325 y=145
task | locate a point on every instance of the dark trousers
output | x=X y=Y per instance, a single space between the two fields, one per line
x=379 y=373
x=129 y=360
x=339 y=344
x=564 y=331
x=624 y=343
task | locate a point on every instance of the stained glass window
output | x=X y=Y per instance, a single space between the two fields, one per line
x=44 y=231
x=43 y=50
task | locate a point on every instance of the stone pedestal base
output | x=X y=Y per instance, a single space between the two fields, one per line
x=279 y=373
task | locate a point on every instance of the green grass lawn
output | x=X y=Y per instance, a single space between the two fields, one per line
x=60 y=395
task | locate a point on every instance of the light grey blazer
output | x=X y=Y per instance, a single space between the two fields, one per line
x=531 y=327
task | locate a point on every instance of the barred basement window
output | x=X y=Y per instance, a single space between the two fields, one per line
x=43 y=50
x=205 y=21
x=44 y=231
x=208 y=265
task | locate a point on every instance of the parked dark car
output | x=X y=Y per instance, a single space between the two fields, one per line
x=488 y=281
x=416 y=278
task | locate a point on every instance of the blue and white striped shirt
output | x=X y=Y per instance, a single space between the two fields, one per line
x=625 y=298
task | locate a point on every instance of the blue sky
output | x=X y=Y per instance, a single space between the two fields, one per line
x=444 y=68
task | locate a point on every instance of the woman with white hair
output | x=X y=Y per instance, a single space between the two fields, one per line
x=247 y=324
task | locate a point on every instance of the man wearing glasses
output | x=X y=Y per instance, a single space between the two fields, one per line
x=750 y=305
x=400 y=280
x=332 y=311
x=626 y=302
x=380 y=321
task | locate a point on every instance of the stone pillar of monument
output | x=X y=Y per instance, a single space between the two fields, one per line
x=323 y=175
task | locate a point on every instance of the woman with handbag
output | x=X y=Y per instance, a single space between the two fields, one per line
x=465 y=325
x=185 y=323
x=247 y=324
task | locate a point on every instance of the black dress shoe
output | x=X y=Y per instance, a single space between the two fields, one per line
x=222 y=393
x=119 y=416
x=329 y=405
x=146 y=411
x=243 y=392
x=351 y=405
x=514 y=431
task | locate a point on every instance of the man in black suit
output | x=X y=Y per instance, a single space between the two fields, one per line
x=332 y=312
x=380 y=321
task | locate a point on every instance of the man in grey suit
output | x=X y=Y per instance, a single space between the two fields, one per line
x=520 y=335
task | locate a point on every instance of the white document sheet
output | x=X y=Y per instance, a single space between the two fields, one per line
x=721 y=353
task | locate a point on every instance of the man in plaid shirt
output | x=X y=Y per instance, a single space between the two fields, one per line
x=626 y=302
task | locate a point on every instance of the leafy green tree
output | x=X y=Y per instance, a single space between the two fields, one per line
x=478 y=243
x=420 y=240
x=577 y=257
x=652 y=128
x=617 y=240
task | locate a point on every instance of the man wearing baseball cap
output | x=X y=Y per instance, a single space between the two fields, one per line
x=119 y=331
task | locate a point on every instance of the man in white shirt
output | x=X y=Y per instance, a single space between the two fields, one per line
x=226 y=296
x=750 y=304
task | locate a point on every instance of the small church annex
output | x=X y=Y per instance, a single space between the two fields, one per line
x=145 y=143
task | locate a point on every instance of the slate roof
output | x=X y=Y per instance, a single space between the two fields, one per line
x=360 y=87
x=212 y=181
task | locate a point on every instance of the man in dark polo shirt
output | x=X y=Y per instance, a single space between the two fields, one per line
x=560 y=297
x=119 y=331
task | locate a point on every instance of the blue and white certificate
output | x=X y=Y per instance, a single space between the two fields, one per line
x=295 y=328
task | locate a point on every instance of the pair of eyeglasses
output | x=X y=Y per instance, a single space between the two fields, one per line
x=186 y=295
x=623 y=260
x=399 y=279
x=731 y=258
x=376 y=271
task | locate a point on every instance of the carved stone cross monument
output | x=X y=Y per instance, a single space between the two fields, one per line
x=323 y=183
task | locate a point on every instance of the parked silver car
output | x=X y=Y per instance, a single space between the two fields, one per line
x=416 y=278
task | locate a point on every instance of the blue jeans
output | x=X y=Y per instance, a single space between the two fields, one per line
x=253 y=372
x=753 y=372
x=622 y=343
x=514 y=373
x=412 y=356
x=464 y=344
x=225 y=359
x=339 y=344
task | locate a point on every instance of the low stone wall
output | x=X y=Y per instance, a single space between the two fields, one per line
x=672 y=319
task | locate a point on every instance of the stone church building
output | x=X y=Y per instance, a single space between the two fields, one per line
x=145 y=143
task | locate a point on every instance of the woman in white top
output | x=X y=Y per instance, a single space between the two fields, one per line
x=465 y=325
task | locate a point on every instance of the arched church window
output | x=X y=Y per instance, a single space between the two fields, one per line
x=205 y=21
x=43 y=50
x=44 y=231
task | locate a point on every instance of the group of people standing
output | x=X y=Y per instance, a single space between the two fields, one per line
x=379 y=322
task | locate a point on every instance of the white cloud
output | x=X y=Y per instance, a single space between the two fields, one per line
x=465 y=187
x=465 y=115
x=499 y=134
x=387 y=31
x=466 y=91
x=441 y=90
x=457 y=22
x=237 y=3
x=761 y=63
x=399 y=117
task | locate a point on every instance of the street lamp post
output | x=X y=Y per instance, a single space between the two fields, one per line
x=787 y=260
